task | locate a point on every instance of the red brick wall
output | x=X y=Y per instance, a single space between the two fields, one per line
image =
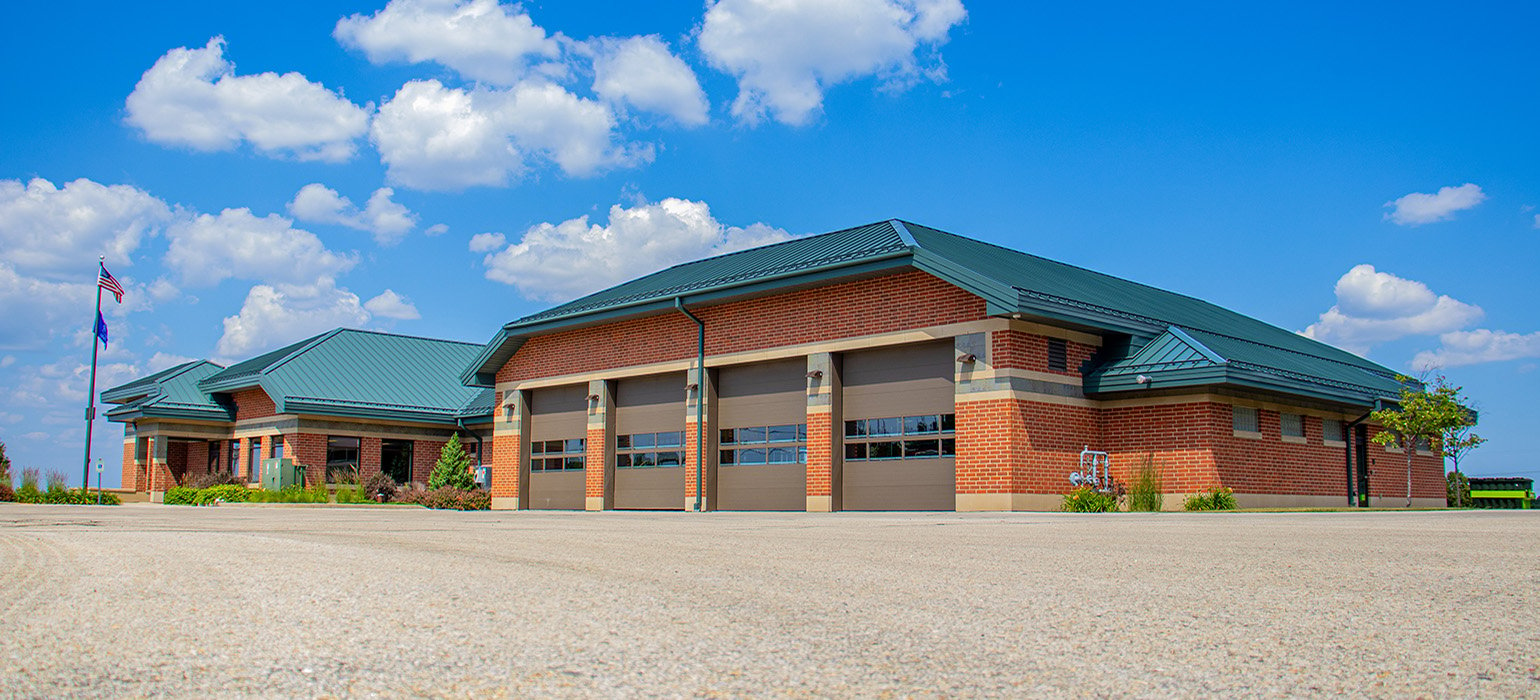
x=1019 y=350
x=368 y=458
x=1387 y=474
x=689 y=464
x=424 y=456
x=176 y=460
x=309 y=451
x=820 y=455
x=197 y=459
x=1014 y=446
x=253 y=403
x=505 y=466
x=1179 y=436
x=135 y=473
x=593 y=476
x=879 y=305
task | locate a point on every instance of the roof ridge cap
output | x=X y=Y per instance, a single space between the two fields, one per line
x=1061 y=263
x=1287 y=350
x=409 y=336
x=1198 y=345
x=795 y=238
x=307 y=346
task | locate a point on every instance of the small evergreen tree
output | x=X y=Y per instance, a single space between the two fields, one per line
x=453 y=468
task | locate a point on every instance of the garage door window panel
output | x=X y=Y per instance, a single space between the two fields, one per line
x=643 y=450
x=871 y=439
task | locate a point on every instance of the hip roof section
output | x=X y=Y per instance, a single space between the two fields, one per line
x=348 y=372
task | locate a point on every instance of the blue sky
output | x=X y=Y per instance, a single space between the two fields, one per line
x=1365 y=174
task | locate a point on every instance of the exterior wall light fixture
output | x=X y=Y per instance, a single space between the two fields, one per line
x=815 y=374
x=967 y=358
x=1142 y=379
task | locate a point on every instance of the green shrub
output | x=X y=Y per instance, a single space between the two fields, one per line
x=225 y=493
x=456 y=499
x=181 y=496
x=290 y=494
x=6 y=492
x=1457 y=490
x=1218 y=499
x=380 y=483
x=1145 y=492
x=78 y=497
x=351 y=493
x=1088 y=500
x=453 y=469
x=216 y=478
x=28 y=492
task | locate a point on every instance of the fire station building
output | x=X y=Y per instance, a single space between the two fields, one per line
x=885 y=367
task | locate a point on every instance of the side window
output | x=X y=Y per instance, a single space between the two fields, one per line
x=1244 y=419
x=1292 y=425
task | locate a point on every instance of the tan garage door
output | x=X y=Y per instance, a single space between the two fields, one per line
x=899 y=437
x=762 y=416
x=649 y=442
x=558 y=426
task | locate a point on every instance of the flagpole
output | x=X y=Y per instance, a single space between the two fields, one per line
x=85 y=474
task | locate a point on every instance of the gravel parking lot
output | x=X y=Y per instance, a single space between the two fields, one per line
x=148 y=600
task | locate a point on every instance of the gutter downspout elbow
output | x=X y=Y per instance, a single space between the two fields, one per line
x=700 y=402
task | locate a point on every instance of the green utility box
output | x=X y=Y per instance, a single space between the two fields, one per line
x=280 y=473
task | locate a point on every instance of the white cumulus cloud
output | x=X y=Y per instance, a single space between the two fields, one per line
x=164 y=360
x=574 y=257
x=207 y=249
x=392 y=305
x=786 y=53
x=59 y=232
x=193 y=98
x=386 y=220
x=484 y=242
x=641 y=71
x=1419 y=208
x=434 y=137
x=274 y=315
x=35 y=311
x=1375 y=307
x=1478 y=346
x=481 y=40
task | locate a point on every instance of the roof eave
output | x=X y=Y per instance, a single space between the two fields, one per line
x=303 y=407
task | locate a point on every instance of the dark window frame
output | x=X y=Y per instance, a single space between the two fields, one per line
x=650 y=450
x=736 y=451
x=558 y=455
x=927 y=436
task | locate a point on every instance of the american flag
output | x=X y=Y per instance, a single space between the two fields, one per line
x=110 y=283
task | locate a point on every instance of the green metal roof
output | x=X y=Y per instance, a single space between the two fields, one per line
x=1178 y=358
x=169 y=393
x=354 y=373
x=1250 y=352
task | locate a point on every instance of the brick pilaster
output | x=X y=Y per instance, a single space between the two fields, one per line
x=825 y=444
x=706 y=390
x=599 y=477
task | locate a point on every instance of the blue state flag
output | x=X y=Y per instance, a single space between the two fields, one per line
x=101 y=328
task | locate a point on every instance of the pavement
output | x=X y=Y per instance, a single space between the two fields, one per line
x=143 y=600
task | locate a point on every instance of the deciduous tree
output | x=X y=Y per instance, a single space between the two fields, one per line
x=1428 y=414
